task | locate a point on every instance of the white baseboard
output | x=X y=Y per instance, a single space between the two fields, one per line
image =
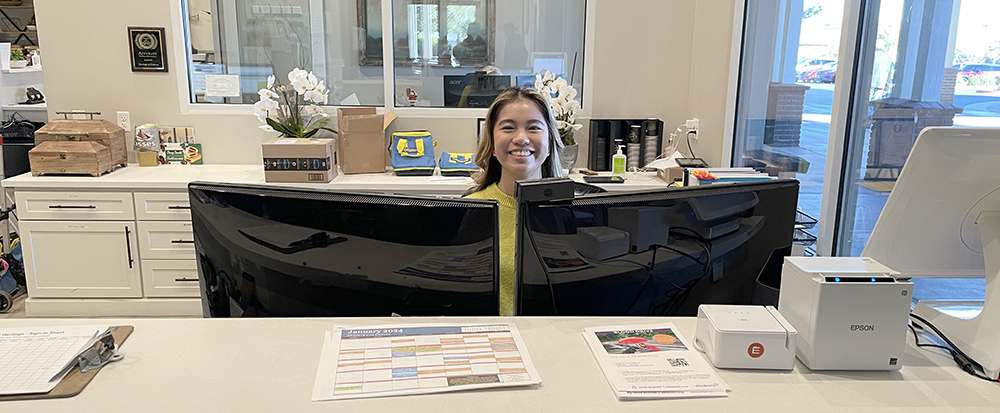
x=95 y=307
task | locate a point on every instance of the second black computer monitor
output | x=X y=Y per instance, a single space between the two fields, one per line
x=658 y=252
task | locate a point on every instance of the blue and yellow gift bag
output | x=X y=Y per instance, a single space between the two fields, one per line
x=457 y=164
x=412 y=153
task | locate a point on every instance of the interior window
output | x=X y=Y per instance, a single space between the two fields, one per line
x=447 y=53
x=236 y=44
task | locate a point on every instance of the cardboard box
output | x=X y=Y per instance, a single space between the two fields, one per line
x=148 y=158
x=362 y=140
x=671 y=174
x=299 y=160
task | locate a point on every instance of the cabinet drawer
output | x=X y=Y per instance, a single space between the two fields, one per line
x=166 y=240
x=75 y=205
x=162 y=206
x=170 y=278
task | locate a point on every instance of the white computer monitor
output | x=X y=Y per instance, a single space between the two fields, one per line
x=942 y=211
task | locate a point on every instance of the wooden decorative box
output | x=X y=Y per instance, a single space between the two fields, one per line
x=100 y=131
x=55 y=157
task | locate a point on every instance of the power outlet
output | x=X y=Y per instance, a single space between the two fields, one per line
x=692 y=126
x=124 y=120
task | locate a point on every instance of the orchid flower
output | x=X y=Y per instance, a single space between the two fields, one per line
x=561 y=97
x=293 y=110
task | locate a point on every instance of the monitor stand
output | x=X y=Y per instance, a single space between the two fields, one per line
x=977 y=336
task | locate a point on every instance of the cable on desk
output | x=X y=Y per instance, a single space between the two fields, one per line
x=676 y=297
x=652 y=267
x=963 y=361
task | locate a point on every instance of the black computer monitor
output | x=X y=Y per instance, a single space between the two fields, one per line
x=658 y=252
x=266 y=251
x=482 y=89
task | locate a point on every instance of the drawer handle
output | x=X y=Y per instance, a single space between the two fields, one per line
x=185 y=279
x=72 y=206
x=182 y=241
x=179 y=207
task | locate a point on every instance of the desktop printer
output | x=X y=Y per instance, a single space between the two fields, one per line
x=851 y=313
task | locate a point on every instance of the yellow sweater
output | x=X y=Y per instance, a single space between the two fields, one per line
x=507 y=224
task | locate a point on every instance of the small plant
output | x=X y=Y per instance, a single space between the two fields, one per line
x=980 y=81
x=16 y=54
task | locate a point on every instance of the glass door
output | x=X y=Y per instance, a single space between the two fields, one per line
x=919 y=63
x=785 y=99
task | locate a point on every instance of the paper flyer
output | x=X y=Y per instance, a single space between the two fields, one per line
x=652 y=362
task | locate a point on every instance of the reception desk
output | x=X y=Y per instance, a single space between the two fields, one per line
x=269 y=365
x=136 y=223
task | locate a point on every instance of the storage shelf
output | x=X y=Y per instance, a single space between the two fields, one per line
x=28 y=69
x=28 y=108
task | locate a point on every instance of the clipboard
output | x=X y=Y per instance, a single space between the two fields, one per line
x=74 y=381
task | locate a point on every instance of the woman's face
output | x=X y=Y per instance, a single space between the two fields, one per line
x=521 y=140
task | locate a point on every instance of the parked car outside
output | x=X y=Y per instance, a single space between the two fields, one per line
x=826 y=74
x=814 y=74
x=810 y=65
x=978 y=69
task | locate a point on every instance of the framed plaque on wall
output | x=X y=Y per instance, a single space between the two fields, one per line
x=147 y=50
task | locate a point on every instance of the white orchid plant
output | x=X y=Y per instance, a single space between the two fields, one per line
x=293 y=110
x=562 y=98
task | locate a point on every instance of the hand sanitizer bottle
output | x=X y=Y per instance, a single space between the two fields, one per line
x=618 y=163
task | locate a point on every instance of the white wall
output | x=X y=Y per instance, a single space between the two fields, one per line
x=665 y=59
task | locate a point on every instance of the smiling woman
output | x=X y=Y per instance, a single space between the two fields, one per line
x=520 y=141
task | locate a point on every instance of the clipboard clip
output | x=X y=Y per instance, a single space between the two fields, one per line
x=101 y=352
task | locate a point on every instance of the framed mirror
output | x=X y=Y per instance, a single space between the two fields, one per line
x=449 y=33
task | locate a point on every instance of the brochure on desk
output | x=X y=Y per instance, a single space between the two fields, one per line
x=652 y=362
x=382 y=361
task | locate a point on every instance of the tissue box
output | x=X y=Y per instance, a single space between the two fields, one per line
x=745 y=337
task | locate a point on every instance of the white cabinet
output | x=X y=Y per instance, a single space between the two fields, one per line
x=108 y=253
x=166 y=244
x=81 y=259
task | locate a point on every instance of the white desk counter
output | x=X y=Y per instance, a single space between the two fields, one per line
x=176 y=178
x=269 y=365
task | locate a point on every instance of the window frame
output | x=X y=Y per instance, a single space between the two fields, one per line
x=182 y=53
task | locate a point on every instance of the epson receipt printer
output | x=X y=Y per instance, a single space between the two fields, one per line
x=851 y=313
